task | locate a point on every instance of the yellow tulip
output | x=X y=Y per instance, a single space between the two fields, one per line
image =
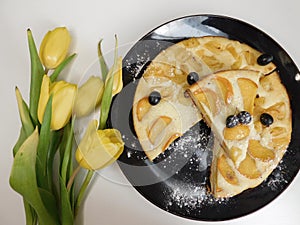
x=62 y=103
x=88 y=96
x=99 y=148
x=54 y=47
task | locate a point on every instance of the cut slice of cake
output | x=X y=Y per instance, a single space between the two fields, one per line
x=250 y=116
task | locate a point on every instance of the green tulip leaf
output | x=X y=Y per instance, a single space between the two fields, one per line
x=49 y=202
x=103 y=65
x=107 y=94
x=31 y=217
x=105 y=104
x=53 y=148
x=24 y=113
x=23 y=179
x=43 y=147
x=72 y=198
x=60 y=67
x=20 y=141
x=37 y=73
x=27 y=126
x=66 y=169
x=83 y=188
x=66 y=208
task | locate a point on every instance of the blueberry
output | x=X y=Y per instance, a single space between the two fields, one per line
x=244 y=117
x=154 y=98
x=232 y=121
x=264 y=59
x=192 y=78
x=266 y=119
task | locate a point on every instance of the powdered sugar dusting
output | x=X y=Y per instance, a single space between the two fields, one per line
x=187 y=162
x=135 y=65
x=190 y=197
x=277 y=179
x=192 y=151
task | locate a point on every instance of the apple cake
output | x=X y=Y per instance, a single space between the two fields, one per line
x=162 y=111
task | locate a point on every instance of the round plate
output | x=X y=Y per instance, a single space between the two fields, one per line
x=178 y=180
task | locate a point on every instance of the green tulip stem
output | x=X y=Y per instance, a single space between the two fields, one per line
x=82 y=190
x=72 y=178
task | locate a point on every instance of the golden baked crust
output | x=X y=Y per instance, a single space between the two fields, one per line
x=167 y=74
x=244 y=155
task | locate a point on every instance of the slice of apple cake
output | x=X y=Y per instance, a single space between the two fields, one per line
x=250 y=116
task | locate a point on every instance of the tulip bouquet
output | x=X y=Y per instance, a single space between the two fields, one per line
x=44 y=171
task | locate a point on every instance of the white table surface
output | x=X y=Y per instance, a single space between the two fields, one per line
x=111 y=203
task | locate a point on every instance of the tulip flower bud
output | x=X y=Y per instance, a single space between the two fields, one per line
x=54 y=47
x=99 y=148
x=63 y=99
x=88 y=96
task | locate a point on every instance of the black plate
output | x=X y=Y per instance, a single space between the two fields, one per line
x=177 y=181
